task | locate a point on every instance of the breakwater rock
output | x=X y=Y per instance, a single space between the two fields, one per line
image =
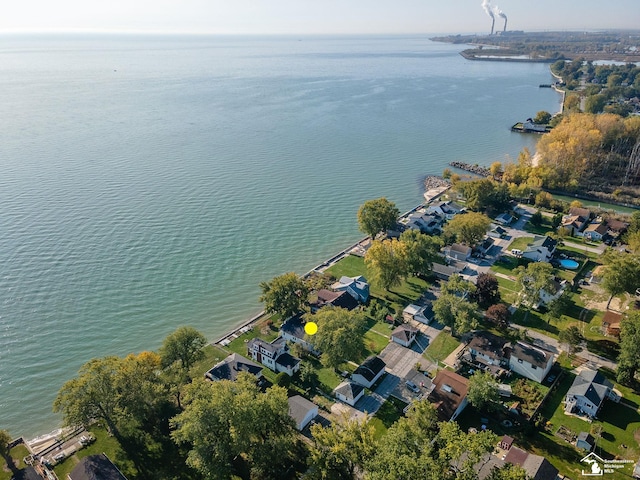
x=431 y=182
x=477 y=169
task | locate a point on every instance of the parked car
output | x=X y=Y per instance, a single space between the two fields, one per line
x=412 y=386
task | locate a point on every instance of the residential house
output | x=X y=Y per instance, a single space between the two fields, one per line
x=424 y=222
x=273 y=355
x=588 y=392
x=444 y=272
x=230 y=367
x=369 y=371
x=404 y=335
x=530 y=362
x=585 y=441
x=96 y=467
x=504 y=218
x=292 y=330
x=449 y=394
x=357 y=287
x=596 y=231
x=616 y=227
x=497 y=232
x=420 y=314
x=349 y=392
x=488 y=349
x=302 y=411
x=335 y=299
x=541 y=249
x=458 y=251
x=447 y=209
x=556 y=289
x=485 y=246
x=536 y=467
x=611 y=323
x=581 y=212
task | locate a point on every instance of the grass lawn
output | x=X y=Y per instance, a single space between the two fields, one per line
x=508 y=290
x=441 y=346
x=212 y=355
x=542 y=229
x=239 y=345
x=505 y=265
x=17 y=454
x=103 y=444
x=397 y=297
x=387 y=415
x=520 y=243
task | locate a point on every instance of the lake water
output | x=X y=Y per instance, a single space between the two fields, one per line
x=151 y=182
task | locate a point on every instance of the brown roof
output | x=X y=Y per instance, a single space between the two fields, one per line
x=601 y=228
x=449 y=390
x=580 y=212
x=537 y=467
x=404 y=332
x=337 y=299
x=617 y=225
x=611 y=318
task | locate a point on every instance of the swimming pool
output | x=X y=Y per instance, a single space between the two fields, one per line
x=569 y=264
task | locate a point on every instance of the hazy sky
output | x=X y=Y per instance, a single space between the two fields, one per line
x=314 y=17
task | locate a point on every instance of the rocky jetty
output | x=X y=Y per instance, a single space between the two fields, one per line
x=477 y=169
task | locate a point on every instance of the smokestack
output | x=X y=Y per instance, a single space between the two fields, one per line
x=486 y=4
x=500 y=13
x=505 y=24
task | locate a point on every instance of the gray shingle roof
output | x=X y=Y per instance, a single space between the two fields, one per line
x=530 y=354
x=350 y=390
x=592 y=385
x=229 y=368
x=96 y=467
x=371 y=367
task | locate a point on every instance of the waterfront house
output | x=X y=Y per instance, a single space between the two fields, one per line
x=458 y=251
x=530 y=362
x=349 y=392
x=369 y=371
x=404 y=335
x=230 y=367
x=449 y=394
x=273 y=355
x=588 y=392
x=541 y=249
x=446 y=209
x=420 y=314
x=335 y=299
x=424 y=222
x=96 y=467
x=302 y=411
x=488 y=349
x=292 y=330
x=357 y=287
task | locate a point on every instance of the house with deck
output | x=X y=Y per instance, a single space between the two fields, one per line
x=588 y=392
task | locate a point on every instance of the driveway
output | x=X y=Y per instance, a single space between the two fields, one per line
x=372 y=402
x=401 y=360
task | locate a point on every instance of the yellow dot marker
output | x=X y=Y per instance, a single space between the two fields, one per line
x=311 y=328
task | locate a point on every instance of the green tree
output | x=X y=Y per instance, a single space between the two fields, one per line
x=532 y=279
x=458 y=286
x=571 y=337
x=621 y=273
x=375 y=216
x=455 y=312
x=542 y=117
x=595 y=103
x=483 y=391
x=558 y=307
x=229 y=426
x=468 y=228
x=420 y=251
x=386 y=260
x=536 y=218
x=285 y=295
x=478 y=193
x=556 y=220
x=5 y=438
x=340 y=335
x=308 y=376
x=508 y=472
x=629 y=357
x=183 y=347
x=341 y=449
x=496 y=169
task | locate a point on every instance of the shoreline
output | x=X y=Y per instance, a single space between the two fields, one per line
x=429 y=195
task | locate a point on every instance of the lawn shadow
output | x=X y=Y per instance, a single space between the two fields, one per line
x=618 y=415
x=604 y=348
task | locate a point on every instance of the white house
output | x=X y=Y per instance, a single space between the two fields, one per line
x=302 y=411
x=488 y=349
x=457 y=251
x=588 y=392
x=504 y=218
x=349 y=392
x=292 y=330
x=357 y=287
x=424 y=222
x=556 y=290
x=417 y=313
x=273 y=355
x=369 y=371
x=530 y=362
x=446 y=209
x=541 y=250
x=404 y=335
x=595 y=231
